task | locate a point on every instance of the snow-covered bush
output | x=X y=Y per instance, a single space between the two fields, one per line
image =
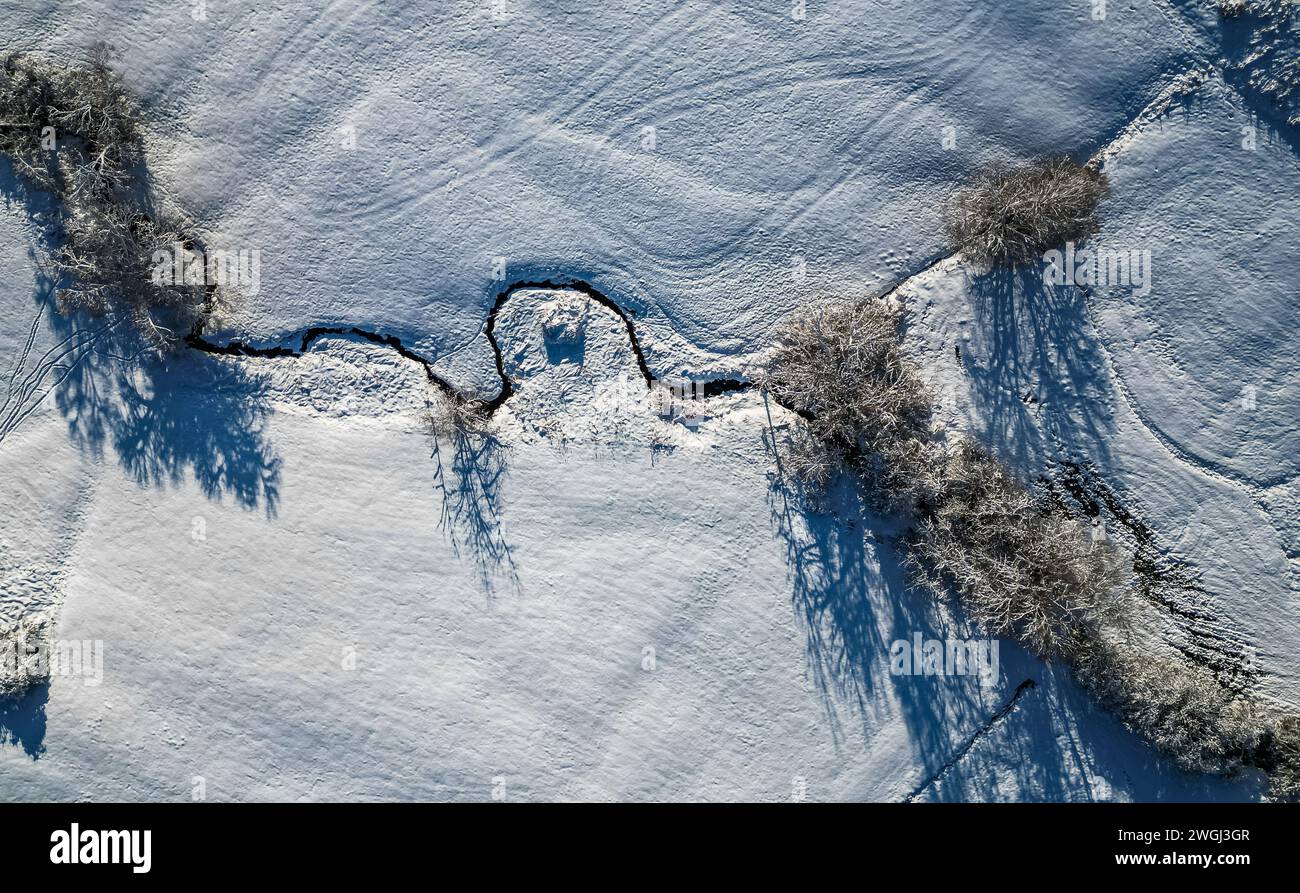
x=72 y=130
x=807 y=460
x=43 y=104
x=24 y=645
x=1021 y=566
x=1011 y=214
x=106 y=256
x=841 y=367
x=1278 y=755
x=1178 y=707
x=450 y=416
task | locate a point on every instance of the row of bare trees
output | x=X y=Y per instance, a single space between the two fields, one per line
x=1020 y=564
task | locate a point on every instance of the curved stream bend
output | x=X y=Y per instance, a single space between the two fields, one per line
x=712 y=388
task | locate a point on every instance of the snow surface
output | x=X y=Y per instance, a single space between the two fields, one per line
x=298 y=600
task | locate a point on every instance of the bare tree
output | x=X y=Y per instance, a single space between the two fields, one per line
x=73 y=130
x=45 y=106
x=1020 y=564
x=1281 y=759
x=451 y=416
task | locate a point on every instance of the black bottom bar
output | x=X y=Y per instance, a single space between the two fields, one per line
x=337 y=841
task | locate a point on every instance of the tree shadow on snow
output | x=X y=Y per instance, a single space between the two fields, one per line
x=1058 y=746
x=1038 y=359
x=1259 y=49
x=469 y=467
x=199 y=416
x=22 y=720
x=170 y=417
x=851 y=594
x=165 y=415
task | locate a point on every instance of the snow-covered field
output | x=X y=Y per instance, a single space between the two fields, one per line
x=300 y=597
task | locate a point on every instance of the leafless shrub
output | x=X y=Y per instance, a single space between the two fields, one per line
x=807 y=460
x=1021 y=567
x=26 y=94
x=107 y=258
x=904 y=477
x=44 y=105
x=73 y=130
x=841 y=367
x=451 y=416
x=1012 y=214
x=1178 y=707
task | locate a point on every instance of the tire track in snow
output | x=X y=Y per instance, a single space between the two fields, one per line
x=1179 y=86
x=1211 y=469
x=568 y=113
x=64 y=356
